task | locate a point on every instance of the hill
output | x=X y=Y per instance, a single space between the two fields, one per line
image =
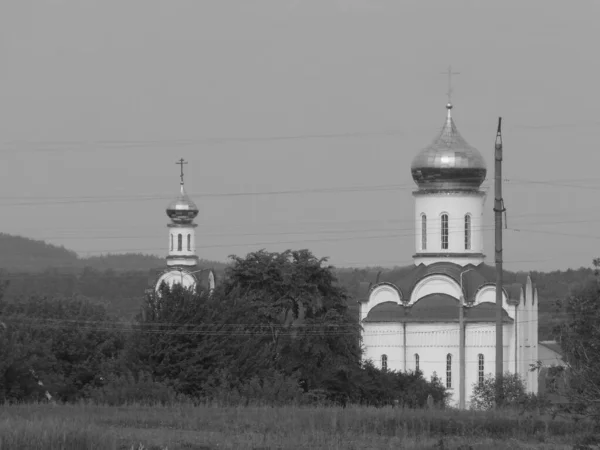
x=21 y=254
x=35 y=267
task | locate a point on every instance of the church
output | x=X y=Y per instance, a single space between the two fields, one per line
x=182 y=265
x=411 y=316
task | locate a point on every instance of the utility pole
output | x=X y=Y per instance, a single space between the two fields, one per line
x=498 y=210
x=461 y=344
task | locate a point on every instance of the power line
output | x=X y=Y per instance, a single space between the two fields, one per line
x=55 y=200
x=452 y=229
x=73 y=145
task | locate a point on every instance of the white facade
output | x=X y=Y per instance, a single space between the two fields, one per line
x=182 y=245
x=464 y=212
x=433 y=342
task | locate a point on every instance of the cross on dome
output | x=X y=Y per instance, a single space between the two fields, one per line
x=449 y=93
x=181 y=162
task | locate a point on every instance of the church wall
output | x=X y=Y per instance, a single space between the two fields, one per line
x=433 y=342
x=384 y=339
x=456 y=206
x=480 y=338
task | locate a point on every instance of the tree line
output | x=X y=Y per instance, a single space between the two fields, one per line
x=277 y=329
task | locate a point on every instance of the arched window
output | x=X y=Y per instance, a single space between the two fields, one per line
x=445 y=231
x=467 y=232
x=179 y=242
x=383 y=362
x=171 y=242
x=480 y=370
x=416 y=361
x=449 y=371
x=423 y=232
x=189 y=239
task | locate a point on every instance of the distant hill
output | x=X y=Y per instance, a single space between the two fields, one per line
x=21 y=254
x=35 y=267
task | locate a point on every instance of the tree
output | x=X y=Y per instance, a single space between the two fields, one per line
x=295 y=300
x=513 y=389
x=580 y=340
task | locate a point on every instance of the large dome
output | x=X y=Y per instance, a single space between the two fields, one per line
x=182 y=209
x=449 y=163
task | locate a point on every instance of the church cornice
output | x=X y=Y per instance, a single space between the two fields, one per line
x=448 y=255
x=182 y=225
x=450 y=192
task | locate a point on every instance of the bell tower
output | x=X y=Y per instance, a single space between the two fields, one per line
x=182 y=230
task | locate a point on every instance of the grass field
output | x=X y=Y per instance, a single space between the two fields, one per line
x=79 y=427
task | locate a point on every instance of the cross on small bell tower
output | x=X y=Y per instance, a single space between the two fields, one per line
x=181 y=162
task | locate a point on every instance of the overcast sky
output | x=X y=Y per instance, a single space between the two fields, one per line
x=100 y=98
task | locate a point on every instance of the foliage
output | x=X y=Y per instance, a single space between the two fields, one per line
x=63 y=342
x=515 y=395
x=124 y=389
x=580 y=341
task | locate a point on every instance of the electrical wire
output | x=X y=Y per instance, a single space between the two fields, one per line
x=64 y=146
x=89 y=199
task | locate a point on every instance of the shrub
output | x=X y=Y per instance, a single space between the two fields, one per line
x=127 y=389
x=515 y=394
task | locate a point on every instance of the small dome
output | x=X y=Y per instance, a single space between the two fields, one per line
x=182 y=209
x=449 y=163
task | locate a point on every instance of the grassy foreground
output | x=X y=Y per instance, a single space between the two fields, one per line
x=80 y=427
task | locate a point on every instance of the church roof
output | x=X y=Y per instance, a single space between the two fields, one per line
x=406 y=278
x=434 y=308
x=449 y=162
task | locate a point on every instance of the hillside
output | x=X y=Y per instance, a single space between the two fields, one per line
x=119 y=281
x=21 y=254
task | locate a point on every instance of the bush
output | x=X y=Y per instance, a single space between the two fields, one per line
x=515 y=394
x=127 y=389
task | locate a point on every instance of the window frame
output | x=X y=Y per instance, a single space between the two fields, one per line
x=480 y=369
x=384 y=362
x=468 y=232
x=445 y=232
x=449 y=371
x=423 y=231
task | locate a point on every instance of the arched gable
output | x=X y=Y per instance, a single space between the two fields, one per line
x=435 y=284
x=382 y=293
x=487 y=294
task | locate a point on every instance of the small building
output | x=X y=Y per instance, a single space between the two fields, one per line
x=182 y=265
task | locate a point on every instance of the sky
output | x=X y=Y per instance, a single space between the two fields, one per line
x=299 y=120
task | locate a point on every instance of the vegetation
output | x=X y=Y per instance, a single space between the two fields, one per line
x=276 y=330
x=580 y=340
x=188 y=426
x=515 y=395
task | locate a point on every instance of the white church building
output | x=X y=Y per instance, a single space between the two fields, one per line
x=410 y=316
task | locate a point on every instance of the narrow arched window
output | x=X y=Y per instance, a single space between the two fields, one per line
x=467 y=232
x=189 y=242
x=423 y=232
x=449 y=371
x=383 y=362
x=480 y=370
x=444 y=231
x=416 y=361
x=179 y=242
x=171 y=242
